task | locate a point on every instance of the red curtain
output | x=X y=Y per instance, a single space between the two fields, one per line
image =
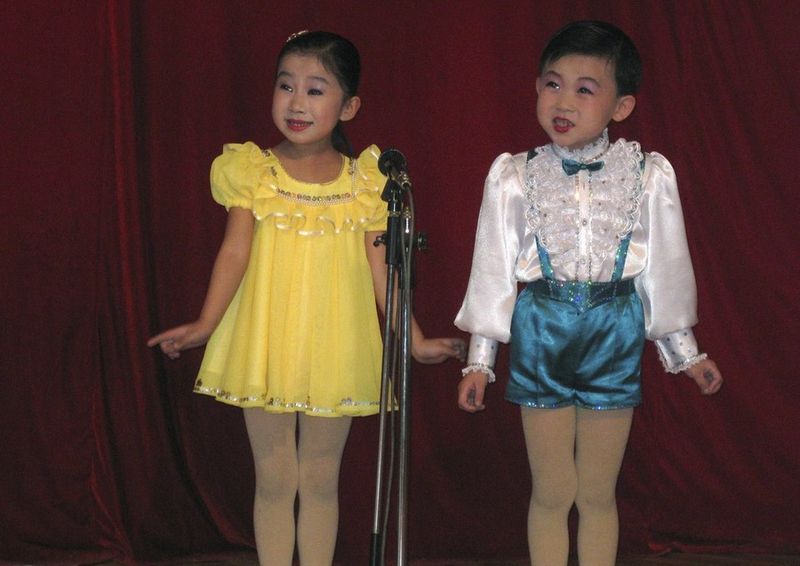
x=111 y=114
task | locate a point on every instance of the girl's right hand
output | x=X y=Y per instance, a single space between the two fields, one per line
x=471 y=390
x=183 y=337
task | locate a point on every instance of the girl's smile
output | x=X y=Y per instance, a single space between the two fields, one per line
x=308 y=102
x=298 y=125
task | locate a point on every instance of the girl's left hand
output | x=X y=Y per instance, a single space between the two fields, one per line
x=706 y=375
x=436 y=350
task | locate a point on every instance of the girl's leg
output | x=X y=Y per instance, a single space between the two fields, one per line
x=600 y=445
x=550 y=440
x=320 y=448
x=272 y=439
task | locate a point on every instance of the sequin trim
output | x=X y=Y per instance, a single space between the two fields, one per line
x=532 y=405
x=278 y=403
x=314 y=200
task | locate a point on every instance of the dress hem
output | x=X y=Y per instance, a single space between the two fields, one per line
x=347 y=408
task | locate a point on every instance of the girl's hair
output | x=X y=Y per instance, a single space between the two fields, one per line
x=339 y=57
x=598 y=39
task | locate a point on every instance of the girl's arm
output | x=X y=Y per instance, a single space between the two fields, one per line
x=425 y=350
x=229 y=268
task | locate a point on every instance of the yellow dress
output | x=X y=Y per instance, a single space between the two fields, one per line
x=302 y=331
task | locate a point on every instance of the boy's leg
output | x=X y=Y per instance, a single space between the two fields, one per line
x=600 y=446
x=272 y=440
x=320 y=449
x=550 y=440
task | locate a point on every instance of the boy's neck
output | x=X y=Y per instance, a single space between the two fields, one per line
x=586 y=154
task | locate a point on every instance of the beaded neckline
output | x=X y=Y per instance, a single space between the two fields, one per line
x=348 y=163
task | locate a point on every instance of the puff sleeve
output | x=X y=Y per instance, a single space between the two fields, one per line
x=492 y=289
x=667 y=285
x=235 y=175
x=369 y=184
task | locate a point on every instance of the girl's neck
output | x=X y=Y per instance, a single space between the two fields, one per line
x=310 y=164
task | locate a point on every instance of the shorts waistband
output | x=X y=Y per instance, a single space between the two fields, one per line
x=583 y=295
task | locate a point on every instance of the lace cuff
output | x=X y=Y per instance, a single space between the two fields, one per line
x=678 y=350
x=483 y=368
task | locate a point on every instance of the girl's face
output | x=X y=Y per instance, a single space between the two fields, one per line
x=578 y=98
x=308 y=101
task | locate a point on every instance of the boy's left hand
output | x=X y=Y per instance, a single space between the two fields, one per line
x=706 y=375
x=436 y=350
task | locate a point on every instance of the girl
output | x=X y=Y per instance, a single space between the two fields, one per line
x=596 y=231
x=290 y=314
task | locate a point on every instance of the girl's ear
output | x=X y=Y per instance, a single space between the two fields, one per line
x=350 y=109
x=625 y=106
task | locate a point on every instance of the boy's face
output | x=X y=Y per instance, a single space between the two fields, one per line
x=578 y=98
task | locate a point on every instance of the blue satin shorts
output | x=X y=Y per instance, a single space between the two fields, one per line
x=565 y=352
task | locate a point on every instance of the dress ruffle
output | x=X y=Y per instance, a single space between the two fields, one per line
x=247 y=176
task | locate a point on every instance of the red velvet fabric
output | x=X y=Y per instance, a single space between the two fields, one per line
x=111 y=114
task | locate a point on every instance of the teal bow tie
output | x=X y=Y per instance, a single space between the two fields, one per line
x=571 y=166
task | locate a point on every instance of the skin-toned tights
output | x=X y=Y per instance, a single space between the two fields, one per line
x=575 y=456
x=288 y=466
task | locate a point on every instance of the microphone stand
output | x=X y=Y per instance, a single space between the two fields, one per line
x=399 y=240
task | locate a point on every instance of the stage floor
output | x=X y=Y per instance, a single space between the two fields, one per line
x=674 y=559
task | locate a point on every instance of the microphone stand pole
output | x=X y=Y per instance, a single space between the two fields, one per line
x=396 y=356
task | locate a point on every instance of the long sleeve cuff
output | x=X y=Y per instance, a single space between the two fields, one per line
x=481 y=356
x=482 y=351
x=678 y=350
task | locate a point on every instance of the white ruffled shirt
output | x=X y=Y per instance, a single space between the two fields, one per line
x=580 y=220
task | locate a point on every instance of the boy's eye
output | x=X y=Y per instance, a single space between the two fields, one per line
x=314 y=92
x=551 y=84
x=584 y=90
x=284 y=86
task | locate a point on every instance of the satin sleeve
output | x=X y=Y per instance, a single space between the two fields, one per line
x=492 y=288
x=666 y=285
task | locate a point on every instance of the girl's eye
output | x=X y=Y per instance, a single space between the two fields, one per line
x=551 y=84
x=314 y=92
x=284 y=86
x=584 y=90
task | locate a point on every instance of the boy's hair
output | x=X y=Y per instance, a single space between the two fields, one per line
x=339 y=57
x=598 y=39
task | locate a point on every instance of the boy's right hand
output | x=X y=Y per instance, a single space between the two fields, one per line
x=180 y=338
x=471 y=390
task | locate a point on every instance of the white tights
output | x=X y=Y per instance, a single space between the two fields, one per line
x=296 y=456
x=575 y=456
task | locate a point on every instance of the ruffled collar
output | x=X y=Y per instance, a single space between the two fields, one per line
x=587 y=153
x=351 y=202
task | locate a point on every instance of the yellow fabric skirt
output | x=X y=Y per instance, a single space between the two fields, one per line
x=302 y=332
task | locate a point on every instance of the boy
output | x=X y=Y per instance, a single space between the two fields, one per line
x=596 y=231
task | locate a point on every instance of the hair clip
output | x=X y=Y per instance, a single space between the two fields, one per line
x=295 y=35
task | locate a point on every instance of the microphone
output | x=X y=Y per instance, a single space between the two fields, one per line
x=393 y=164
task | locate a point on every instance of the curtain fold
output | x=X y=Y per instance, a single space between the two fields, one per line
x=112 y=112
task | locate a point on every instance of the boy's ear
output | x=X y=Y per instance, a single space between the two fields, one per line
x=350 y=109
x=625 y=106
